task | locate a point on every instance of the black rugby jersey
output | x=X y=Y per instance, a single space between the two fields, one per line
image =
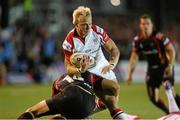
x=153 y=48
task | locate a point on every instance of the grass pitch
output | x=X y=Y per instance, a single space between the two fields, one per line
x=15 y=99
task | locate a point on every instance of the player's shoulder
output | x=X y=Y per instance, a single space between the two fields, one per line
x=70 y=35
x=97 y=29
x=136 y=38
x=68 y=42
x=159 y=35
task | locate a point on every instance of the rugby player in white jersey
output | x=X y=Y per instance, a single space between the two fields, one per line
x=88 y=38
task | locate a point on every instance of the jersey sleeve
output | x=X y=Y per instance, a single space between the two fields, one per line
x=165 y=40
x=68 y=47
x=135 y=46
x=100 y=31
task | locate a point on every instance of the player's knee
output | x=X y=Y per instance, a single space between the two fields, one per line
x=30 y=110
x=115 y=88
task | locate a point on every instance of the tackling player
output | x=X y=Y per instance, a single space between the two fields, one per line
x=72 y=97
x=88 y=38
x=160 y=54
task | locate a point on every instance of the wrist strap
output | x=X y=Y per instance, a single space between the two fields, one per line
x=112 y=65
x=170 y=65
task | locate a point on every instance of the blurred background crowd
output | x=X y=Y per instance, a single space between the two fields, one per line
x=32 y=32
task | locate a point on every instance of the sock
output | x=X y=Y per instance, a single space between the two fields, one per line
x=25 y=116
x=117 y=113
x=177 y=98
x=172 y=103
x=100 y=106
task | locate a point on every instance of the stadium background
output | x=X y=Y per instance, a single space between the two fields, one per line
x=31 y=57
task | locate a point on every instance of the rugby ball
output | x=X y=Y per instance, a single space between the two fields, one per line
x=76 y=58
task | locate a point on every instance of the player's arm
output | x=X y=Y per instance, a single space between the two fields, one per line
x=132 y=65
x=170 y=53
x=114 y=52
x=72 y=69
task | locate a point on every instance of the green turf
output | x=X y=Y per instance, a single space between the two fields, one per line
x=14 y=99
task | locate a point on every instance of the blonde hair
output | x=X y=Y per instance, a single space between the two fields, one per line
x=81 y=11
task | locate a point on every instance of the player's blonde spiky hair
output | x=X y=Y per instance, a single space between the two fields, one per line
x=81 y=11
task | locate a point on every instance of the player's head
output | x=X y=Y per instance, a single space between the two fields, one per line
x=146 y=25
x=82 y=19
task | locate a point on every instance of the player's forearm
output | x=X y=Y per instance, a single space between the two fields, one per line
x=171 y=54
x=132 y=64
x=114 y=58
x=72 y=70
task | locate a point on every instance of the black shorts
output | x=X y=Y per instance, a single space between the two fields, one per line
x=76 y=101
x=94 y=80
x=155 y=77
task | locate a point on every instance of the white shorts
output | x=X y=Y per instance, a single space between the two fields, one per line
x=98 y=68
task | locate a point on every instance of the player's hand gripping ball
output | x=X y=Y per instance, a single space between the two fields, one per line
x=77 y=58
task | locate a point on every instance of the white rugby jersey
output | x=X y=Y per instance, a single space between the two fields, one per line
x=91 y=45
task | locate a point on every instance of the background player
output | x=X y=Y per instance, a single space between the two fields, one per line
x=160 y=54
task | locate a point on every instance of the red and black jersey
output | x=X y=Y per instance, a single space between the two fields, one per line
x=153 y=48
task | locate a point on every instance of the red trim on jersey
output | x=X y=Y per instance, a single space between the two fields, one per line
x=69 y=39
x=141 y=37
x=67 y=55
x=158 y=46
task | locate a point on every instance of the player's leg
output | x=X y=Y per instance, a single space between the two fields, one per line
x=153 y=85
x=43 y=107
x=176 y=96
x=172 y=103
x=108 y=91
x=104 y=88
x=36 y=111
x=173 y=108
x=171 y=79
